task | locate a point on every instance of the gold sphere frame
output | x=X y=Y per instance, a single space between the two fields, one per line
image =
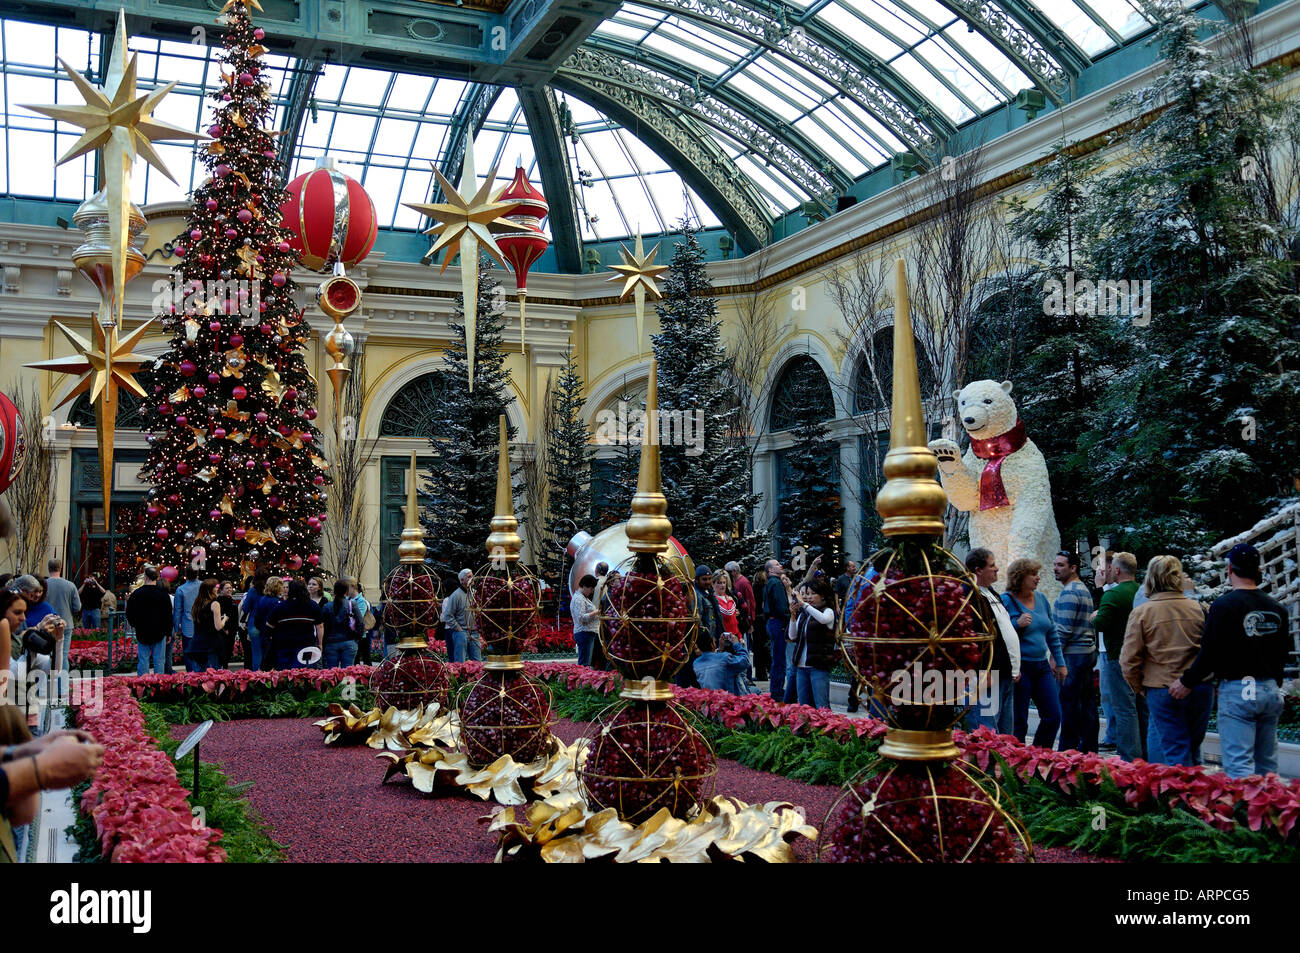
x=643 y=657
x=470 y=725
x=505 y=630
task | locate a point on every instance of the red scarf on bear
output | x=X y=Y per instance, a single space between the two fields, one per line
x=996 y=449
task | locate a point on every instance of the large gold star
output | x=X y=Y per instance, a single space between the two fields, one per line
x=640 y=276
x=464 y=221
x=121 y=125
x=106 y=367
x=248 y=3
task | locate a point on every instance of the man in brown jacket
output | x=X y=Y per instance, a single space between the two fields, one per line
x=1161 y=641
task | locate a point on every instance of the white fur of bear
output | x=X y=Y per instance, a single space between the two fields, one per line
x=1025 y=528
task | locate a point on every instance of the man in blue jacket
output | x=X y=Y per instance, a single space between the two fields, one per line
x=776 y=606
x=182 y=618
x=720 y=669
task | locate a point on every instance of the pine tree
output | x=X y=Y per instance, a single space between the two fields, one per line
x=568 y=458
x=621 y=470
x=1219 y=363
x=811 y=515
x=237 y=481
x=459 y=492
x=706 y=478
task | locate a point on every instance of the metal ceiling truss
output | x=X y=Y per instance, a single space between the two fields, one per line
x=475 y=104
x=871 y=83
x=296 y=103
x=746 y=123
x=543 y=120
x=1026 y=42
x=688 y=149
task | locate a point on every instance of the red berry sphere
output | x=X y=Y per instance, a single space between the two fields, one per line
x=929 y=812
x=647 y=756
x=505 y=713
x=506 y=609
x=410 y=678
x=650 y=630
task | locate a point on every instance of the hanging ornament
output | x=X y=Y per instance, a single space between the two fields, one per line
x=466 y=220
x=640 y=276
x=330 y=216
x=523 y=249
x=13 y=442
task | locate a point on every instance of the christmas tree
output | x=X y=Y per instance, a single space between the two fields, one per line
x=568 y=459
x=1198 y=431
x=705 y=465
x=236 y=479
x=459 y=492
x=811 y=515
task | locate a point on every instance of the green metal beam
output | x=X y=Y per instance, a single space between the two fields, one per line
x=296 y=102
x=557 y=182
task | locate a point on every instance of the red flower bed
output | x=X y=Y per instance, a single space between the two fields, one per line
x=1271 y=803
x=140 y=810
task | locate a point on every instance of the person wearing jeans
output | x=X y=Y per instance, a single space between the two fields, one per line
x=1126 y=722
x=776 y=606
x=343 y=621
x=1248 y=715
x=1161 y=641
x=586 y=617
x=1005 y=667
x=149 y=610
x=812 y=630
x=455 y=616
x=1031 y=613
x=1247 y=640
x=1071 y=614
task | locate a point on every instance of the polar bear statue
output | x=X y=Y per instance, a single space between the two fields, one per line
x=1002 y=482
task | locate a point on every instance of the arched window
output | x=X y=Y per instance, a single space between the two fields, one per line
x=415 y=410
x=870 y=398
x=785 y=400
x=130 y=409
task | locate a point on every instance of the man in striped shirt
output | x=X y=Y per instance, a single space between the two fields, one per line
x=1079 y=724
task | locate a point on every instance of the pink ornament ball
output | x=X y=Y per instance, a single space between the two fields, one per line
x=318 y=479
x=221 y=171
x=261 y=417
x=169 y=573
x=200 y=390
x=151 y=510
x=255 y=512
x=195 y=234
x=283 y=246
x=259 y=33
x=210 y=205
x=214 y=458
x=249 y=464
x=305 y=437
x=214 y=131
x=180 y=253
x=244 y=215
x=291 y=394
x=295 y=562
x=240 y=532
x=182 y=468
x=239 y=392
x=236 y=340
x=273 y=501
x=181 y=420
x=231 y=233
x=214 y=326
x=278 y=279
x=162 y=532
x=245 y=79
x=188 y=368
x=310 y=413
x=214 y=378
x=268 y=153
x=313 y=522
x=313 y=559
x=219 y=433
x=214 y=514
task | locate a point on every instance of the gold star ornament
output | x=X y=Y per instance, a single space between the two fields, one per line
x=106 y=367
x=466 y=220
x=640 y=277
x=120 y=124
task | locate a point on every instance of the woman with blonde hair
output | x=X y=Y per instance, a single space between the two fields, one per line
x=1040 y=678
x=1160 y=643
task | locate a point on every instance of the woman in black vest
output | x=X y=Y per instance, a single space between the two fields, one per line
x=812 y=628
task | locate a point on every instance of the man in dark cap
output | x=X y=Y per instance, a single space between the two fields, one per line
x=1245 y=647
x=710 y=631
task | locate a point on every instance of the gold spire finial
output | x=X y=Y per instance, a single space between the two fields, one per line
x=649 y=528
x=504 y=543
x=411 y=549
x=912 y=502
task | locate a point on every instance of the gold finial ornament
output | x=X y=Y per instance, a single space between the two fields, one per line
x=649 y=528
x=504 y=544
x=912 y=502
x=411 y=550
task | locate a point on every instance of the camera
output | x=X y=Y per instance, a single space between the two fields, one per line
x=37 y=642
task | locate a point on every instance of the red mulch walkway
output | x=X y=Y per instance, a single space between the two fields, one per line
x=328 y=806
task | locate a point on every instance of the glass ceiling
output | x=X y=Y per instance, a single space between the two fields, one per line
x=384 y=129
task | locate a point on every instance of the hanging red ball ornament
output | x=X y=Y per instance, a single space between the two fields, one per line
x=313 y=559
x=310 y=413
x=278 y=279
x=261 y=417
x=239 y=392
x=13 y=442
x=195 y=234
x=244 y=215
x=240 y=532
x=188 y=368
x=221 y=171
x=236 y=340
x=200 y=390
x=290 y=395
x=245 y=79
x=330 y=218
x=169 y=573
x=259 y=33
x=210 y=205
x=183 y=468
x=181 y=420
x=162 y=532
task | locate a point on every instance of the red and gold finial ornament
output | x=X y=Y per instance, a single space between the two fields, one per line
x=522 y=249
x=920 y=641
x=13 y=443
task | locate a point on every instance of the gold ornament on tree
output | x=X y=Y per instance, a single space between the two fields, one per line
x=466 y=220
